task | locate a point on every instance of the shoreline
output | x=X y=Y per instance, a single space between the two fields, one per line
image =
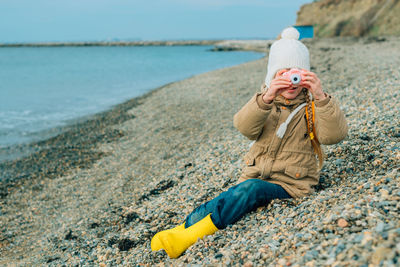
x=181 y=149
x=82 y=134
x=28 y=160
x=15 y=151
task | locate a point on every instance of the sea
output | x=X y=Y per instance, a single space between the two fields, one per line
x=47 y=87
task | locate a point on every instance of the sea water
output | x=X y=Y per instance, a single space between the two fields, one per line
x=46 y=87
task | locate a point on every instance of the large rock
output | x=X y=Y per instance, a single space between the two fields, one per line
x=351 y=17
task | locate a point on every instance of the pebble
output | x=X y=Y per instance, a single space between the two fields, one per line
x=380 y=254
x=342 y=223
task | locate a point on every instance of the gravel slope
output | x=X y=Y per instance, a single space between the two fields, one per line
x=177 y=148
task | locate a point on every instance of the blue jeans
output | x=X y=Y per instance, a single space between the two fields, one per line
x=231 y=205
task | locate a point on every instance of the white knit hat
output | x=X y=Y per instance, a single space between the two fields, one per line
x=287 y=52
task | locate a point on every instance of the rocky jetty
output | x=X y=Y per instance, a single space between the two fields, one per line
x=114 y=43
x=243 y=45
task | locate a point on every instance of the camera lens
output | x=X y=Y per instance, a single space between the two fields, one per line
x=295 y=78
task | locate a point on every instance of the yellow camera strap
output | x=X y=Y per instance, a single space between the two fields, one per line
x=311 y=133
x=314 y=140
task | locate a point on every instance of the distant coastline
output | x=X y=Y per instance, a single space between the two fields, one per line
x=219 y=45
x=114 y=43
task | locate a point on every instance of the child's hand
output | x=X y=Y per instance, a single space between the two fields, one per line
x=313 y=84
x=278 y=85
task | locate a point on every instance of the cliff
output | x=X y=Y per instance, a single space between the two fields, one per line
x=352 y=17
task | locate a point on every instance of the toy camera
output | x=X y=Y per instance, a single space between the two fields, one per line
x=294 y=75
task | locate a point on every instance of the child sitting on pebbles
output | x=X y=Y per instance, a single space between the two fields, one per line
x=288 y=120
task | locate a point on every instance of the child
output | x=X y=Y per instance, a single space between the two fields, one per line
x=287 y=127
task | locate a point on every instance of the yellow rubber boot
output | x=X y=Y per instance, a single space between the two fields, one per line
x=176 y=242
x=155 y=241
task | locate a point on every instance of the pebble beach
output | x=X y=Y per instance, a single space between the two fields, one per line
x=96 y=194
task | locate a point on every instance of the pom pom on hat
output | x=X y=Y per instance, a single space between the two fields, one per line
x=287 y=52
x=290 y=33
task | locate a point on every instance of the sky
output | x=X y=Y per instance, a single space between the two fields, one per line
x=104 y=20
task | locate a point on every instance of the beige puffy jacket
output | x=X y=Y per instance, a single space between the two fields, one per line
x=290 y=161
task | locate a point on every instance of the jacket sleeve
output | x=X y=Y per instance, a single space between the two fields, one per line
x=250 y=119
x=330 y=122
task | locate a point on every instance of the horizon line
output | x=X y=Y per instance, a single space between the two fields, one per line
x=166 y=42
